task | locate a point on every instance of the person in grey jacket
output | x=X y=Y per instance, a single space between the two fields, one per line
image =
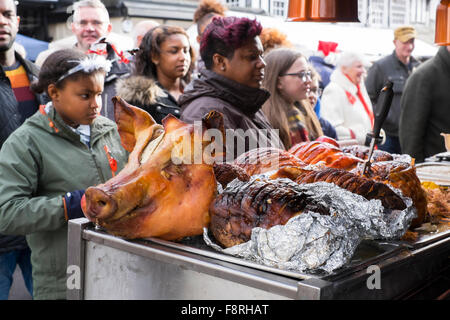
x=425 y=106
x=396 y=68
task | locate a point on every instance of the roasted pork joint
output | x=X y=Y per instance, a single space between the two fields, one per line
x=400 y=175
x=367 y=188
x=260 y=202
x=315 y=152
x=397 y=171
x=262 y=160
x=156 y=194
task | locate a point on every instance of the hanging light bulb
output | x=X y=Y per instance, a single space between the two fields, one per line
x=323 y=10
x=442 y=33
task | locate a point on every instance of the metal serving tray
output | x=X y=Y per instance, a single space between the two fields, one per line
x=115 y=268
x=423 y=171
x=367 y=253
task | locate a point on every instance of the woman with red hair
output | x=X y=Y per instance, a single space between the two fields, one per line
x=231 y=84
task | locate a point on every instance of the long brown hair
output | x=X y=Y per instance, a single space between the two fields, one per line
x=151 y=47
x=276 y=108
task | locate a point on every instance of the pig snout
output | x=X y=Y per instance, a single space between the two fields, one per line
x=99 y=204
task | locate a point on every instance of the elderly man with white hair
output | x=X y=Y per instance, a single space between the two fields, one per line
x=141 y=28
x=345 y=102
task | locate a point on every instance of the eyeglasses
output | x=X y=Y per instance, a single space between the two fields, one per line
x=302 y=75
x=85 y=23
x=316 y=91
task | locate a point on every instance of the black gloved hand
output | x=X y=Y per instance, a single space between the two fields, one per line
x=72 y=202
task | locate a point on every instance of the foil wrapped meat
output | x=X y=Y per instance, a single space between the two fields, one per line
x=367 y=188
x=310 y=227
x=259 y=202
x=401 y=175
x=362 y=152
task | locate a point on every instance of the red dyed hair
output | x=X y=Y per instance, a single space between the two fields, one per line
x=226 y=34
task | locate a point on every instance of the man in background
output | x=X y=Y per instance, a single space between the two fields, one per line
x=91 y=23
x=425 y=107
x=396 y=68
x=141 y=28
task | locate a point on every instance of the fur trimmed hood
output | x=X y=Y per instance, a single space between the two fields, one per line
x=139 y=90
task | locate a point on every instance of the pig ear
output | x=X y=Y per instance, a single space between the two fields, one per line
x=170 y=123
x=214 y=120
x=131 y=121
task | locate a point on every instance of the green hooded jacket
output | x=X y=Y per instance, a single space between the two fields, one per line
x=41 y=161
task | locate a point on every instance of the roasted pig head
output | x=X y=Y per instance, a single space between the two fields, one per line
x=166 y=187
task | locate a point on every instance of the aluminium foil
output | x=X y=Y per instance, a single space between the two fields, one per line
x=311 y=242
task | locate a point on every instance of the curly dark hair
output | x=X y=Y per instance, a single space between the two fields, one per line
x=151 y=47
x=272 y=38
x=226 y=34
x=206 y=10
x=57 y=64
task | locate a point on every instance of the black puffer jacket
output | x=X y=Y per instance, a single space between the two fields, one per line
x=10 y=120
x=149 y=95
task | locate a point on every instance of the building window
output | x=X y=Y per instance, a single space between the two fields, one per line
x=398 y=12
x=233 y=3
x=279 y=8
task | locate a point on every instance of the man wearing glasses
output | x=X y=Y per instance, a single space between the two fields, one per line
x=90 y=24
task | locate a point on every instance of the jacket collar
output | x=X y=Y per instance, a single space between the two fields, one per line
x=99 y=127
x=412 y=61
x=338 y=77
x=248 y=100
x=30 y=68
x=140 y=90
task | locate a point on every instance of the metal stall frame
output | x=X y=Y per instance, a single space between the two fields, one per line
x=403 y=267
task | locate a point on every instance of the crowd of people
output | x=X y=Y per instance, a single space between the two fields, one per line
x=57 y=129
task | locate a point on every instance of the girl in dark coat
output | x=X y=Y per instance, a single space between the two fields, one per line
x=163 y=67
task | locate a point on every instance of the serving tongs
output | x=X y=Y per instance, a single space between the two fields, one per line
x=386 y=95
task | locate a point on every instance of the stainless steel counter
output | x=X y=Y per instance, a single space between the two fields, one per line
x=113 y=268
